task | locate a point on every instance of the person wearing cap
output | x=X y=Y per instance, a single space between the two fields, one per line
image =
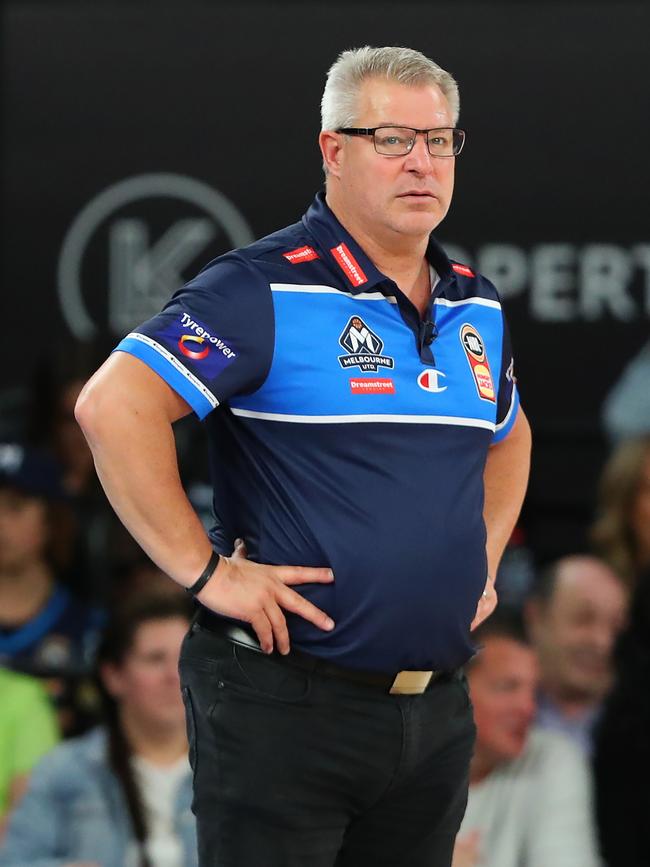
x=45 y=630
x=367 y=445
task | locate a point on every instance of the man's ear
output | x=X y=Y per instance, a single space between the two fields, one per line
x=331 y=146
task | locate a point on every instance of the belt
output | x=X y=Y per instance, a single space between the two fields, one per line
x=400 y=683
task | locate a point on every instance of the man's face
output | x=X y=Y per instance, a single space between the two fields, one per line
x=575 y=630
x=395 y=195
x=503 y=682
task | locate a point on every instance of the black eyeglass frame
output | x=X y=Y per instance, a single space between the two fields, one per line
x=354 y=130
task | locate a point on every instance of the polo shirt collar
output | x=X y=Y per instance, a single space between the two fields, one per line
x=346 y=256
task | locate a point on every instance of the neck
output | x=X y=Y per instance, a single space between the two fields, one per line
x=162 y=745
x=400 y=257
x=24 y=590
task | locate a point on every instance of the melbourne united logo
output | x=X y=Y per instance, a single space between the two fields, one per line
x=363 y=347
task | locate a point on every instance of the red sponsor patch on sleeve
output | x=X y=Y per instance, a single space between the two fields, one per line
x=349 y=265
x=301 y=254
x=462 y=269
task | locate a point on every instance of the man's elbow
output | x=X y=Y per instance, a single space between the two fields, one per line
x=93 y=408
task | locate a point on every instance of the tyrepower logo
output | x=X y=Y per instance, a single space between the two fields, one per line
x=372 y=386
x=349 y=265
x=302 y=254
x=204 y=336
x=195 y=346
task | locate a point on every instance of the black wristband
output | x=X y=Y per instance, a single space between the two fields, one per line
x=205 y=576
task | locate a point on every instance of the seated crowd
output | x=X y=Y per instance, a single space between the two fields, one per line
x=88 y=656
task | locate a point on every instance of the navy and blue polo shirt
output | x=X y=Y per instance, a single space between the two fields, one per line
x=347 y=431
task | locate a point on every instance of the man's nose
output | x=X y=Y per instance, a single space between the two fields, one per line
x=419 y=159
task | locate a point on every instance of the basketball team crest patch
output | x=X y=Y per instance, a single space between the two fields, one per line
x=474 y=347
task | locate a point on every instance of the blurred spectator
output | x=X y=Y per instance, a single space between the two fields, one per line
x=104 y=547
x=622 y=753
x=69 y=444
x=574 y=616
x=28 y=730
x=621 y=533
x=44 y=629
x=120 y=795
x=529 y=797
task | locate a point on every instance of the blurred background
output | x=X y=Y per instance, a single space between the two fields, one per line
x=142 y=139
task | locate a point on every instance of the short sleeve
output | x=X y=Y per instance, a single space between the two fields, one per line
x=215 y=337
x=507 y=395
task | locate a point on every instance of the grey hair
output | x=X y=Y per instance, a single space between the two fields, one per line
x=402 y=65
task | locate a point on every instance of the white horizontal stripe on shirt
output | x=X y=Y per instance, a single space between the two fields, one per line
x=483 y=302
x=351 y=419
x=308 y=289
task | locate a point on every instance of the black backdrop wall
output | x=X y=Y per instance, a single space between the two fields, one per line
x=143 y=139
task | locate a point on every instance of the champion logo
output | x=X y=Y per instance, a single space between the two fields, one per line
x=428 y=380
x=372 y=386
x=301 y=254
x=462 y=269
x=349 y=265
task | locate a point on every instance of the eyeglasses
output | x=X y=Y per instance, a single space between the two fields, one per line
x=397 y=141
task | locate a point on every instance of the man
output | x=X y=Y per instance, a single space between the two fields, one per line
x=574 y=616
x=529 y=797
x=350 y=443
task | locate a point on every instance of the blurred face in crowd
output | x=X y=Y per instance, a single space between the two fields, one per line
x=575 y=630
x=23 y=530
x=146 y=685
x=640 y=518
x=503 y=681
x=390 y=197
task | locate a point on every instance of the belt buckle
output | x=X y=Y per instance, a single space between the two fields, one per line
x=411 y=682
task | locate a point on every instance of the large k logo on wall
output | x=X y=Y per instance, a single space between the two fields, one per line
x=137 y=242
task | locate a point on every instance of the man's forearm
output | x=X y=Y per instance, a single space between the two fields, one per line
x=505 y=478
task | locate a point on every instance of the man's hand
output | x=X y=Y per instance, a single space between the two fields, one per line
x=486 y=604
x=467 y=851
x=257 y=593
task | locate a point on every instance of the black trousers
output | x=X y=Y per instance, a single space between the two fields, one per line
x=293 y=769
